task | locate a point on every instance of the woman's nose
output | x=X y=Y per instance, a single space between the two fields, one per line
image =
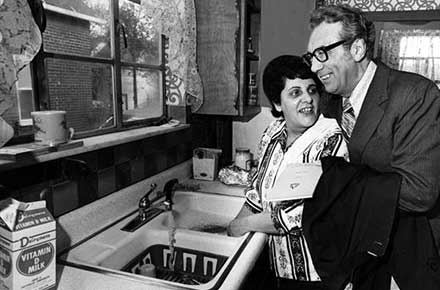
x=307 y=97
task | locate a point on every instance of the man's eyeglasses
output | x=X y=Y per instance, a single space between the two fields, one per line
x=320 y=53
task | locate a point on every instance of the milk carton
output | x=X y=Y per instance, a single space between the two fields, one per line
x=27 y=246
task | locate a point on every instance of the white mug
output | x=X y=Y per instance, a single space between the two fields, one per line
x=50 y=127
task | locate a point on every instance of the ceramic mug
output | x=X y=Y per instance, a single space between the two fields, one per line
x=50 y=127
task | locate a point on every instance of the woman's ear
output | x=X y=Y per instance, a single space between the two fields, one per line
x=277 y=107
x=358 y=49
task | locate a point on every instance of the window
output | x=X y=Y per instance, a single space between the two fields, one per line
x=420 y=53
x=409 y=41
x=412 y=49
x=101 y=61
x=25 y=95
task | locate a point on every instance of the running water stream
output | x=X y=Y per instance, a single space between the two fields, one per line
x=171 y=238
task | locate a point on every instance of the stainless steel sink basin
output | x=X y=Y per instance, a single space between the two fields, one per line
x=205 y=255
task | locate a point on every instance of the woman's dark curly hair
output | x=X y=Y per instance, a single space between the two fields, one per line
x=278 y=70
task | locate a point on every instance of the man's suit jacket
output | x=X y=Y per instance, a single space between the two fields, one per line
x=349 y=221
x=398 y=130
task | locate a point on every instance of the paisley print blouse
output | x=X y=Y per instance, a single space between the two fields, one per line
x=290 y=256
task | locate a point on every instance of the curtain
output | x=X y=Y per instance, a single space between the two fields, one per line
x=177 y=20
x=412 y=50
x=20 y=40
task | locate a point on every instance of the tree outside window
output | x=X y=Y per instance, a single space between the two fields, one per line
x=95 y=52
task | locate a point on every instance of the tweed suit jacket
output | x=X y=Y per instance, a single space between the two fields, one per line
x=398 y=130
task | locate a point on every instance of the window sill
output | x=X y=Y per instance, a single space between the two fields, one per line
x=95 y=143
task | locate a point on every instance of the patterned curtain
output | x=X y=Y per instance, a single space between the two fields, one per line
x=177 y=20
x=412 y=50
x=20 y=40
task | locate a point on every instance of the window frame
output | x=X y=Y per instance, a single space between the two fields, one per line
x=40 y=83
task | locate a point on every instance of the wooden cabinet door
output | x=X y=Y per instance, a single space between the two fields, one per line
x=218 y=23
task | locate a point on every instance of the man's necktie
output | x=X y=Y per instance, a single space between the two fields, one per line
x=348 y=118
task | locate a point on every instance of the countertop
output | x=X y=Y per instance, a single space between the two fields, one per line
x=78 y=225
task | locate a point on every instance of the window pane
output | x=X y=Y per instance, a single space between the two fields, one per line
x=80 y=27
x=23 y=99
x=420 y=46
x=25 y=96
x=141 y=94
x=142 y=37
x=82 y=89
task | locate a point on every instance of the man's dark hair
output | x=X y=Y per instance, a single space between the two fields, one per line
x=355 y=25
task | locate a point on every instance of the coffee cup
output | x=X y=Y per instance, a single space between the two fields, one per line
x=50 y=127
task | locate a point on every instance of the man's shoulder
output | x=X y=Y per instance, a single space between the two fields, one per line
x=401 y=78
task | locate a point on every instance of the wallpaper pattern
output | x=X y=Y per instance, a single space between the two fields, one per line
x=381 y=5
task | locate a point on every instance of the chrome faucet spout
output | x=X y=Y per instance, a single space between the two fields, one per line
x=168 y=189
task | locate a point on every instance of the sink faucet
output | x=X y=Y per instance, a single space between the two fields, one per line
x=145 y=203
x=145 y=212
x=168 y=190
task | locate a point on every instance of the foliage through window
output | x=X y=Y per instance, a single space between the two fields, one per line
x=101 y=62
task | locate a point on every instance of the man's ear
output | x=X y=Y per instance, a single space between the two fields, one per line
x=358 y=49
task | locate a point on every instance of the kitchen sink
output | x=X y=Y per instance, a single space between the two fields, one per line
x=203 y=253
x=203 y=212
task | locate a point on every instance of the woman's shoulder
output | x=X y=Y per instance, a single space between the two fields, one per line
x=274 y=127
x=325 y=124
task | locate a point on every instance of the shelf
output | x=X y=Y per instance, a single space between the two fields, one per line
x=249 y=113
x=94 y=143
x=251 y=56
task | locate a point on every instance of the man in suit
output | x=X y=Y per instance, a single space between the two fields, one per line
x=391 y=120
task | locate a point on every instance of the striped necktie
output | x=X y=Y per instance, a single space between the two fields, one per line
x=348 y=119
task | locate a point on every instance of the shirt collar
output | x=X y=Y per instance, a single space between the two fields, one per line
x=360 y=91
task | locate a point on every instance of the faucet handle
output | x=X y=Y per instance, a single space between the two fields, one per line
x=152 y=188
x=144 y=202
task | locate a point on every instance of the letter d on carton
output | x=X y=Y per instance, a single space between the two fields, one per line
x=27 y=246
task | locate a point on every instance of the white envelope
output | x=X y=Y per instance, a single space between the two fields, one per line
x=296 y=181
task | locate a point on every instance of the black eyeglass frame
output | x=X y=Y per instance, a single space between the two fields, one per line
x=307 y=57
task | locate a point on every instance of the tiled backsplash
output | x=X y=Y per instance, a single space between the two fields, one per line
x=72 y=182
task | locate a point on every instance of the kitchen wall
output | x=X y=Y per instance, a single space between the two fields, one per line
x=70 y=185
x=284 y=30
x=72 y=182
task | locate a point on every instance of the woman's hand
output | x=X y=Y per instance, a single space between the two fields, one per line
x=259 y=222
x=237 y=227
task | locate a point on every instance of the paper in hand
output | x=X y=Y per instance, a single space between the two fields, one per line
x=296 y=181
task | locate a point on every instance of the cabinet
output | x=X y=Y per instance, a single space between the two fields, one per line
x=228 y=34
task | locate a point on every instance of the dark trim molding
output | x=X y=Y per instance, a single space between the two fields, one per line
x=405 y=16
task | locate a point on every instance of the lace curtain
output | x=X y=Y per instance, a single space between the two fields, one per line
x=20 y=41
x=177 y=21
x=412 y=50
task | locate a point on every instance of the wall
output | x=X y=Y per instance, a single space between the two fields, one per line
x=284 y=30
x=69 y=183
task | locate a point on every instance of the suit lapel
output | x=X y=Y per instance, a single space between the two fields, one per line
x=371 y=113
x=331 y=106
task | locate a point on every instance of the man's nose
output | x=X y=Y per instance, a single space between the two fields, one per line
x=316 y=65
